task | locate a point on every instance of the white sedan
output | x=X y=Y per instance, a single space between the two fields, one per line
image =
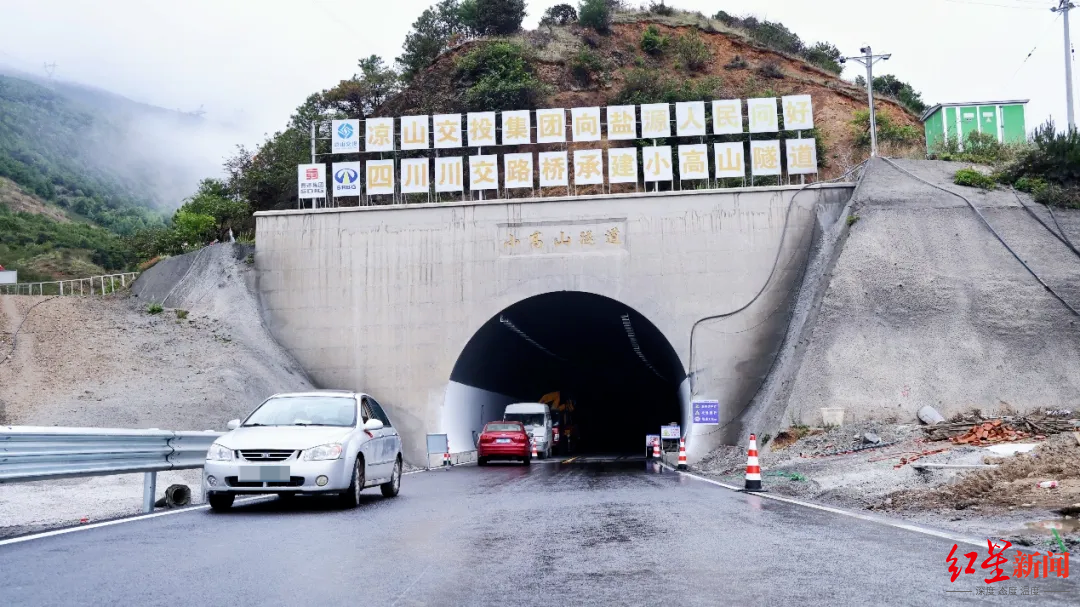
x=325 y=441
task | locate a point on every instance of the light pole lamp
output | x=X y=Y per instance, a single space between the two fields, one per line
x=868 y=58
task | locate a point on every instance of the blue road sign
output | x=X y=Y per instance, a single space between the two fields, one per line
x=707 y=412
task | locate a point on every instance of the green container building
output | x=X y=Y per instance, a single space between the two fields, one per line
x=1003 y=119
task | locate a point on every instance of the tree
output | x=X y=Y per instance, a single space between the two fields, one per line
x=492 y=17
x=595 y=14
x=437 y=28
x=192 y=230
x=560 y=14
x=361 y=95
x=214 y=199
x=898 y=89
x=825 y=56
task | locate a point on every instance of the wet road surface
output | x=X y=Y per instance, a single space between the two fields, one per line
x=589 y=532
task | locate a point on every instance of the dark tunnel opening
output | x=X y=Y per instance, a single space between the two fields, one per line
x=620 y=373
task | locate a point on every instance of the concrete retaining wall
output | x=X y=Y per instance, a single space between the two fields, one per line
x=926 y=307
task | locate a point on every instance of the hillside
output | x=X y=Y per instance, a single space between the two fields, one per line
x=82 y=168
x=580 y=67
x=60 y=150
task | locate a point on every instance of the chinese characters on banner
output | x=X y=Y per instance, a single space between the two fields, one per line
x=414 y=175
x=693 y=160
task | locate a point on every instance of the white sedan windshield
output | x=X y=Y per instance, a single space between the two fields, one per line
x=305 y=411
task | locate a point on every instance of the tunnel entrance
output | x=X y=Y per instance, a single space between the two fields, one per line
x=616 y=376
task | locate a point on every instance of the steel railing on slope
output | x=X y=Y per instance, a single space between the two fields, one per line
x=94 y=285
x=34 y=453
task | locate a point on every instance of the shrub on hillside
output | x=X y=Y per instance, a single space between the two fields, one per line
x=974 y=179
x=659 y=8
x=1049 y=168
x=692 y=51
x=737 y=63
x=652 y=41
x=650 y=86
x=560 y=14
x=774 y=35
x=982 y=148
x=887 y=130
x=595 y=14
x=1031 y=185
x=726 y=18
x=585 y=65
x=771 y=69
x=497 y=76
x=1054 y=156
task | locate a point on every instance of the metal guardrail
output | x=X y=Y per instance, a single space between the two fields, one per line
x=94 y=285
x=34 y=453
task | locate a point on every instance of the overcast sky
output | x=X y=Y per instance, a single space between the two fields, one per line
x=259 y=59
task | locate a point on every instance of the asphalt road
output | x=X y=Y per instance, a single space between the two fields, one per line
x=583 y=533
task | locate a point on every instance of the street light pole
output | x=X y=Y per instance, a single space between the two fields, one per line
x=868 y=58
x=1063 y=7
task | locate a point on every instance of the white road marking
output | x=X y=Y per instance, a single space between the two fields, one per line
x=140 y=517
x=409 y=587
x=865 y=517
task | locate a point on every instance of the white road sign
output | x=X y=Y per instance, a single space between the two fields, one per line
x=312 y=180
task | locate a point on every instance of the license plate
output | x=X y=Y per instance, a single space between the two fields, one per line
x=249 y=474
x=502 y=440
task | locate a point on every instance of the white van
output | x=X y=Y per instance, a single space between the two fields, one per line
x=537 y=420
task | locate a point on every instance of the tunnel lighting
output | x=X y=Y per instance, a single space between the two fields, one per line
x=637 y=348
x=509 y=325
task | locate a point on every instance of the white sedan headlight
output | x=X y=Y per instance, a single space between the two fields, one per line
x=323 y=452
x=218 y=453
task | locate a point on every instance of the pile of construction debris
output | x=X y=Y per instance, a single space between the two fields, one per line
x=977 y=431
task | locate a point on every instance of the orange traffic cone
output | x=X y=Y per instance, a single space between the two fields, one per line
x=682 y=455
x=534 y=455
x=753 y=470
x=656 y=448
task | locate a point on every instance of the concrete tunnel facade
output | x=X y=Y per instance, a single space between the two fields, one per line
x=387 y=299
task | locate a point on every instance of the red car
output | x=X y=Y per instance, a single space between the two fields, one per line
x=503 y=440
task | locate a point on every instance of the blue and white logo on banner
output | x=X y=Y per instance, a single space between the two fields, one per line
x=707 y=412
x=346 y=178
x=345 y=136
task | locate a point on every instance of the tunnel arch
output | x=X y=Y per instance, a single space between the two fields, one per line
x=621 y=372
